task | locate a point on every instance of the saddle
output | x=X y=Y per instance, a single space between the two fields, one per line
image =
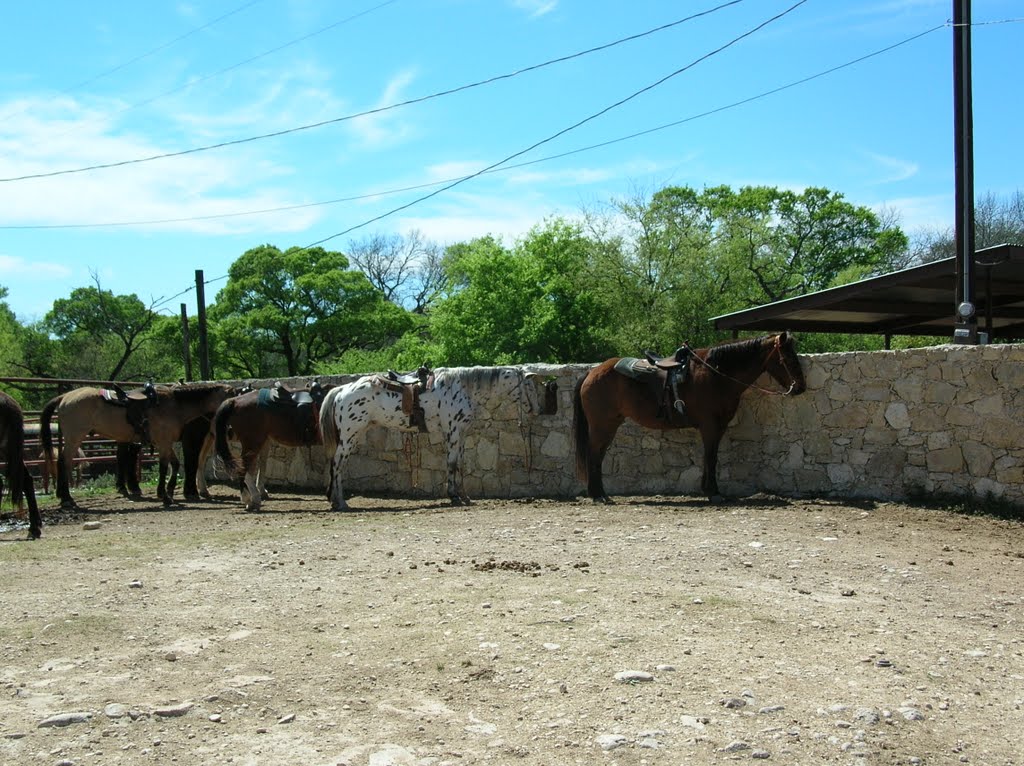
x=410 y=385
x=665 y=376
x=136 y=403
x=304 y=402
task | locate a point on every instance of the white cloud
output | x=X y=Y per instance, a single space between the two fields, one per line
x=536 y=8
x=386 y=128
x=893 y=169
x=461 y=217
x=13 y=266
x=54 y=135
x=929 y=212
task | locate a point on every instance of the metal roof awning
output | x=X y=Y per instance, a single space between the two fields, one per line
x=915 y=301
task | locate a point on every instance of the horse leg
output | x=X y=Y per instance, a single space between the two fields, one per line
x=173 y=480
x=250 y=493
x=35 y=520
x=127 y=469
x=335 y=493
x=261 y=472
x=204 y=456
x=65 y=463
x=709 y=476
x=161 y=485
x=44 y=472
x=600 y=439
x=456 y=451
x=134 y=469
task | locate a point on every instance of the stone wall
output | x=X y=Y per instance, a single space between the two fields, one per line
x=943 y=420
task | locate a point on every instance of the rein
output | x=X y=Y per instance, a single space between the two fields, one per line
x=776 y=350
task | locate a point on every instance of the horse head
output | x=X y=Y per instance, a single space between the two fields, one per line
x=783 y=364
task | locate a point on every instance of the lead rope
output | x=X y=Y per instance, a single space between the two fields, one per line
x=525 y=430
x=409 y=449
x=771 y=392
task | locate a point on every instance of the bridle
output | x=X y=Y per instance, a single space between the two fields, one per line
x=785 y=365
x=776 y=349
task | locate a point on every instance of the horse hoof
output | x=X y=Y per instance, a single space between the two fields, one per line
x=206 y=496
x=716 y=499
x=68 y=505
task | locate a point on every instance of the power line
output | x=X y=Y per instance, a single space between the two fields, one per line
x=559 y=133
x=377 y=110
x=153 y=51
x=238 y=65
x=564 y=130
x=505 y=168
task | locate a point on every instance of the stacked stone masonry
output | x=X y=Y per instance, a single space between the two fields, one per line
x=945 y=420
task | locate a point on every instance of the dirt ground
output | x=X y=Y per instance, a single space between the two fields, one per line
x=660 y=630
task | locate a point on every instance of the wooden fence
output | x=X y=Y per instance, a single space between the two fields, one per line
x=99 y=455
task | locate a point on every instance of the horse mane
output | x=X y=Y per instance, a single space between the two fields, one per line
x=729 y=353
x=475 y=377
x=195 y=392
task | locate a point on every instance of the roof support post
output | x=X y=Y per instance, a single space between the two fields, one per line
x=966 y=328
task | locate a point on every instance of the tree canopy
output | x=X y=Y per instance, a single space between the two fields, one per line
x=646 y=272
x=283 y=313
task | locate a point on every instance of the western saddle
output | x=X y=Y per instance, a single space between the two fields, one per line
x=410 y=385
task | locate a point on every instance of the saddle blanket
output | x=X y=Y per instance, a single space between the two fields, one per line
x=637 y=369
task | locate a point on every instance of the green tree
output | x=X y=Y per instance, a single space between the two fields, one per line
x=655 y=273
x=284 y=313
x=530 y=303
x=780 y=244
x=99 y=332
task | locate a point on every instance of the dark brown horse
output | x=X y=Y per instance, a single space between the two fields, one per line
x=88 y=410
x=256 y=419
x=12 y=450
x=717 y=378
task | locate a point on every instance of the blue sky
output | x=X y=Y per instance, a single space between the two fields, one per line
x=87 y=84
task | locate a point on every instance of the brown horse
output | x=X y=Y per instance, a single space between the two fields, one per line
x=717 y=378
x=255 y=419
x=88 y=410
x=12 y=450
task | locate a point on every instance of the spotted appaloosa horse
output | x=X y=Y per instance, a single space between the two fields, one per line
x=350 y=409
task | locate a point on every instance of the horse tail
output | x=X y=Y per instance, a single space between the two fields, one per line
x=16 y=463
x=45 y=436
x=220 y=430
x=580 y=433
x=328 y=430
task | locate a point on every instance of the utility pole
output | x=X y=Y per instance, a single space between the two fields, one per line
x=204 y=348
x=966 y=327
x=186 y=343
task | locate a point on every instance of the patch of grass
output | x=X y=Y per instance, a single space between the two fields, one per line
x=77 y=627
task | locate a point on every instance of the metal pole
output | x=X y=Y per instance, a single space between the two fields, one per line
x=966 y=328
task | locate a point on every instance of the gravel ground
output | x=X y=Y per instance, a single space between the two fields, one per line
x=660 y=630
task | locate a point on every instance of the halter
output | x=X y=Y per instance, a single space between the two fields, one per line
x=777 y=349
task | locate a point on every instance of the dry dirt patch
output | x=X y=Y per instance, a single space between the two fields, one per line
x=656 y=631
